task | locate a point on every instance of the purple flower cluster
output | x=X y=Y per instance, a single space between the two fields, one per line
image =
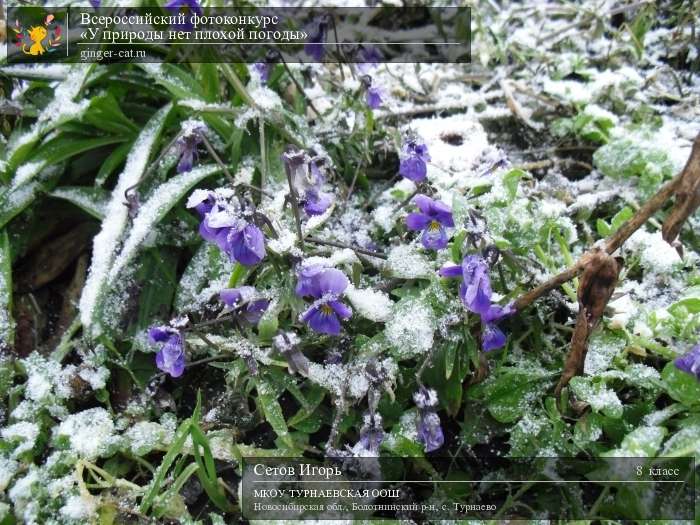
x=429 y=429
x=227 y=226
x=325 y=286
x=171 y=356
x=433 y=218
x=690 y=362
x=247 y=301
x=186 y=8
x=414 y=160
x=307 y=179
x=475 y=292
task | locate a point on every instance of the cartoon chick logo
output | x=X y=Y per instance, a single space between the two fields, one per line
x=36 y=36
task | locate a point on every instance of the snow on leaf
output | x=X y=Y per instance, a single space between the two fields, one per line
x=405 y=261
x=6 y=321
x=152 y=211
x=410 y=327
x=598 y=395
x=642 y=442
x=371 y=304
x=116 y=217
x=90 y=433
x=92 y=200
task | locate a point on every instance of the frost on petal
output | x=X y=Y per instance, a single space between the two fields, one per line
x=690 y=362
x=332 y=281
x=434 y=237
x=492 y=338
x=413 y=168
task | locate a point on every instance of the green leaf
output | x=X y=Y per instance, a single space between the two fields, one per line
x=267 y=396
x=159 y=477
x=158 y=275
x=641 y=442
x=314 y=396
x=691 y=304
x=60 y=110
x=268 y=324
x=509 y=394
x=12 y=202
x=450 y=357
x=105 y=113
x=603 y=228
x=460 y=209
x=681 y=386
x=208 y=264
x=57 y=150
x=625 y=157
x=92 y=200
x=7 y=324
x=620 y=218
x=683 y=443
x=236 y=275
x=401 y=439
x=112 y=162
x=510 y=182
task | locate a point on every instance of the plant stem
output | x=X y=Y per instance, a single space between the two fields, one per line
x=336 y=244
x=263 y=154
x=295 y=206
x=217 y=159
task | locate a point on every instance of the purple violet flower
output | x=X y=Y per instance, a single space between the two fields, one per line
x=325 y=285
x=475 y=289
x=248 y=297
x=186 y=8
x=316 y=202
x=429 y=429
x=307 y=180
x=286 y=343
x=493 y=337
x=226 y=226
x=413 y=163
x=433 y=218
x=171 y=357
x=371 y=435
x=373 y=97
x=246 y=244
x=95 y=3
x=186 y=145
x=263 y=71
x=690 y=362
x=475 y=292
x=307 y=279
x=202 y=201
x=315 y=47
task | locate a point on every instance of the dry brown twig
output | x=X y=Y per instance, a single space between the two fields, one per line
x=597 y=284
x=687 y=196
